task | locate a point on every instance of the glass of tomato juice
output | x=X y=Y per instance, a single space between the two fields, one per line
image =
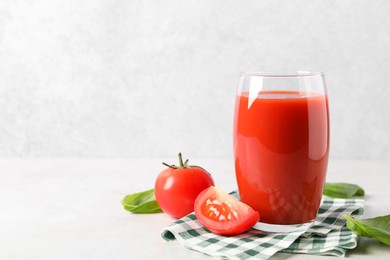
x=281 y=146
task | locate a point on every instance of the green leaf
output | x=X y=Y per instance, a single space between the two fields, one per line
x=342 y=190
x=141 y=202
x=378 y=228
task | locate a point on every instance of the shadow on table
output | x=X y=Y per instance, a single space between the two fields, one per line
x=366 y=247
x=369 y=246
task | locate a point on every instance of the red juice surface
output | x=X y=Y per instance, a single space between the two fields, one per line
x=281 y=146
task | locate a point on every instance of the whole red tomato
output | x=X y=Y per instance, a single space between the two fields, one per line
x=177 y=187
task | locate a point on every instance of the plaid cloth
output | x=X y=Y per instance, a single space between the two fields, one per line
x=327 y=236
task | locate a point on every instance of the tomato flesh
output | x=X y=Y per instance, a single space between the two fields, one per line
x=219 y=210
x=224 y=214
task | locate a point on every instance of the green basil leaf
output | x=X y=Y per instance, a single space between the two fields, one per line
x=342 y=190
x=378 y=228
x=141 y=202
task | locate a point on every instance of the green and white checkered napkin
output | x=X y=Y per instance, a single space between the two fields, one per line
x=328 y=235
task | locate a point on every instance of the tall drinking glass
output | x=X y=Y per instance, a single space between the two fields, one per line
x=281 y=146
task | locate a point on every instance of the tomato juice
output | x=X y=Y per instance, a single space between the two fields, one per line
x=281 y=147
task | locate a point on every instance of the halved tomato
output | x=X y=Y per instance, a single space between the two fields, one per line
x=222 y=213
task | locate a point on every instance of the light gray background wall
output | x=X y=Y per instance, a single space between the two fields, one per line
x=151 y=78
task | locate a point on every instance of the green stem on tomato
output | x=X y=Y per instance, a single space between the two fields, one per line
x=170 y=166
x=181 y=165
x=186 y=163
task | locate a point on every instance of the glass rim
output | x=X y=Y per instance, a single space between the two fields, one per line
x=282 y=73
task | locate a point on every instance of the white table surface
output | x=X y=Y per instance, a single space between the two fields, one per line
x=70 y=209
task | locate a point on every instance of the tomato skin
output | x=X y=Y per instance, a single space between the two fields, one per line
x=233 y=216
x=177 y=188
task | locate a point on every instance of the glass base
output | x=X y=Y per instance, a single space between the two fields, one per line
x=274 y=228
